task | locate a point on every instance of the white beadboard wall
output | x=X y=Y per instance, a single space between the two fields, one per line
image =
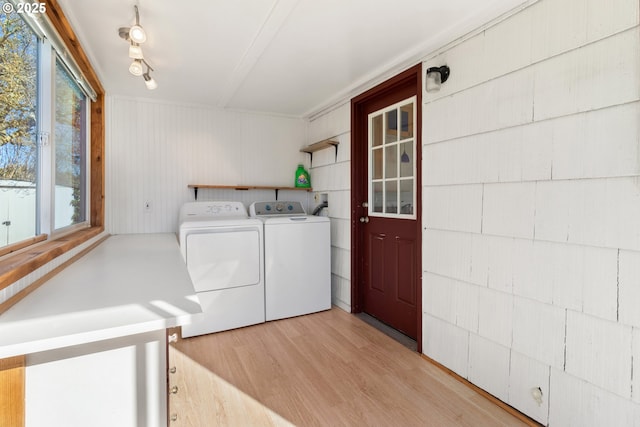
x=531 y=173
x=155 y=149
x=330 y=175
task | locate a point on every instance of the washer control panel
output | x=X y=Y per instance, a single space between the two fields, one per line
x=276 y=208
x=214 y=209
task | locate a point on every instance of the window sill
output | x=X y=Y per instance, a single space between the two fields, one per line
x=14 y=267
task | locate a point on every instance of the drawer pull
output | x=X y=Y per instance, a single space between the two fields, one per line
x=174 y=390
x=173 y=338
x=172 y=370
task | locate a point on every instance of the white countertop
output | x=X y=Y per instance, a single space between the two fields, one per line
x=128 y=284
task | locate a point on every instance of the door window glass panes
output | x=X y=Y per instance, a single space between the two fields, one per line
x=391 y=132
x=392 y=163
x=18 y=129
x=376 y=130
x=377 y=197
x=377 y=163
x=406 y=159
x=391 y=197
x=406 y=121
x=70 y=150
x=406 y=196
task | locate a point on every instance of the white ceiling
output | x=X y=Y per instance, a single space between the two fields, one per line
x=290 y=57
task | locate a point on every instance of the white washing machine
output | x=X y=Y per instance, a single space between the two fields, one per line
x=223 y=250
x=297 y=259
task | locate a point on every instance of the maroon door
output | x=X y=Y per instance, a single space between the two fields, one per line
x=386 y=231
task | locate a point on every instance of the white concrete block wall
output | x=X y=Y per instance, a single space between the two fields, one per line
x=525 y=375
x=466 y=298
x=438 y=297
x=508 y=209
x=495 y=316
x=595 y=76
x=629 y=288
x=330 y=176
x=511 y=105
x=575 y=211
x=578 y=403
x=447 y=254
x=513 y=154
x=446 y=344
x=538 y=331
x=597 y=143
x=454 y=208
x=489 y=366
x=500 y=254
x=539 y=116
x=599 y=352
x=635 y=384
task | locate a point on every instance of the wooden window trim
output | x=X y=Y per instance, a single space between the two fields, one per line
x=15 y=266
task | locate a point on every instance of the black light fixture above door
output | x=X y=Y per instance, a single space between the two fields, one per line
x=435 y=77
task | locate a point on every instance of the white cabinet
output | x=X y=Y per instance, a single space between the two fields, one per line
x=118 y=382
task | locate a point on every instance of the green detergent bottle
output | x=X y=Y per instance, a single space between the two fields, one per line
x=302 y=178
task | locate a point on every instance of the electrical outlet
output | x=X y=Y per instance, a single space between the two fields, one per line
x=148 y=206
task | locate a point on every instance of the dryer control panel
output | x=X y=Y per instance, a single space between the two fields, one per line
x=276 y=208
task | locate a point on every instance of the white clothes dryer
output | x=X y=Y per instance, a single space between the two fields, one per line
x=297 y=251
x=223 y=250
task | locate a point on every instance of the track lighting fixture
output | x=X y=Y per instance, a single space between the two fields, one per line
x=136 y=35
x=148 y=80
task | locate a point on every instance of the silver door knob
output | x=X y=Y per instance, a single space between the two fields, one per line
x=364 y=219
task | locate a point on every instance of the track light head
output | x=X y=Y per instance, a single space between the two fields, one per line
x=136 y=67
x=149 y=81
x=135 y=51
x=137 y=34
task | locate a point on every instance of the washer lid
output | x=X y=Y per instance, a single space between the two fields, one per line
x=294 y=220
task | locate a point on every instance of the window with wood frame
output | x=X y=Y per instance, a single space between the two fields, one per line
x=57 y=151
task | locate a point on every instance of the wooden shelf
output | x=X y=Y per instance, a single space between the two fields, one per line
x=246 y=188
x=320 y=146
x=310 y=149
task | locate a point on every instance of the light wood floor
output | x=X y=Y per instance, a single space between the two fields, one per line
x=323 y=369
